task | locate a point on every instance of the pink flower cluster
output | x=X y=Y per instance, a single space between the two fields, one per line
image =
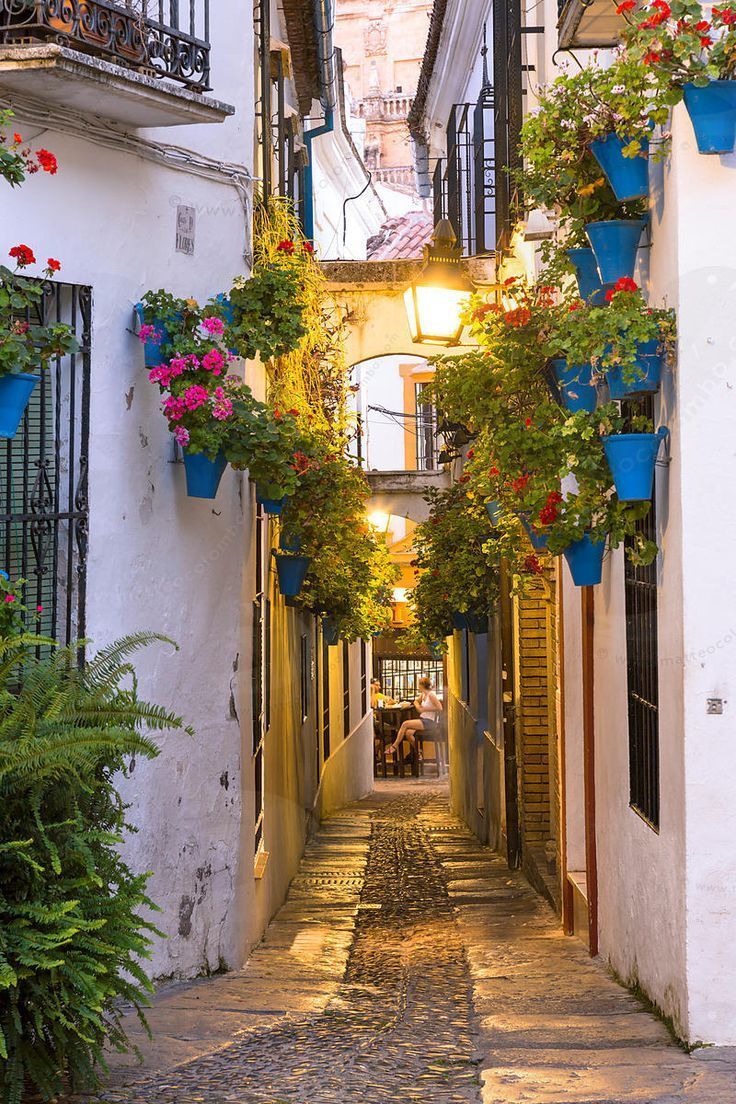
x=213 y=326
x=150 y=333
x=214 y=362
x=163 y=374
x=181 y=435
x=222 y=407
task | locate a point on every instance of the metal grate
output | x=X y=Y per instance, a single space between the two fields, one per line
x=44 y=478
x=642 y=665
x=426 y=438
x=484 y=170
x=325 y=700
x=508 y=111
x=363 y=678
x=346 y=687
x=166 y=37
x=259 y=669
x=304 y=676
x=399 y=676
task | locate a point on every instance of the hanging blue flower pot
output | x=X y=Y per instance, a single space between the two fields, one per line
x=289 y=545
x=575 y=382
x=585 y=560
x=152 y=349
x=628 y=176
x=586 y=272
x=272 y=506
x=330 y=632
x=15 y=394
x=538 y=540
x=631 y=458
x=291 y=571
x=493 y=509
x=459 y=621
x=477 y=622
x=648 y=373
x=712 y=112
x=615 y=244
x=203 y=475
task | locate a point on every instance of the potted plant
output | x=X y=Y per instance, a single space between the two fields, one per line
x=690 y=51
x=291 y=570
x=27 y=343
x=631 y=448
x=625 y=341
x=265 y=440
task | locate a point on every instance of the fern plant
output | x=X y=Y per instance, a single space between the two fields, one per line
x=71 y=931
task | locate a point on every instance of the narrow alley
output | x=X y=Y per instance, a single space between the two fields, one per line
x=409 y=964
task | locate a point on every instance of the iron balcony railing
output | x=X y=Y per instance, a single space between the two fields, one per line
x=166 y=38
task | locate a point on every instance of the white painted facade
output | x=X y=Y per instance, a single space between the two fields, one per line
x=666 y=898
x=157 y=559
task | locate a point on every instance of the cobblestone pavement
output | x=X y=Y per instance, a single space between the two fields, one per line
x=409 y=965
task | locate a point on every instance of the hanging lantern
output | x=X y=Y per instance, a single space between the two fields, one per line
x=435 y=302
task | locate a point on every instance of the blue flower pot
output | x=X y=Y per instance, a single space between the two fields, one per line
x=628 y=176
x=649 y=368
x=272 y=506
x=293 y=545
x=585 y=560
x=203 y=475
x=477 y=622
x=575 y=381
x=493 y=509
x=615 y=244
x=330 y=632
x=291 y=571
x=712 y=112
x=538 y=540
x=436 y=650
x=459 y=621
x=586 y=272
x=15 y=394
x=631 y=458
x=152 y=349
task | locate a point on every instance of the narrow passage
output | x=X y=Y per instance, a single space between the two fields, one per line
x=409 y=964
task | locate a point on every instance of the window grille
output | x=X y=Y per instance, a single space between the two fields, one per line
x=304 y=676
x=44 y=478
x=642 y=664
x=399 y=676
x=325 y=700
x=363 y=678
x=260 y=668
x=426 y=457
x=346 y=687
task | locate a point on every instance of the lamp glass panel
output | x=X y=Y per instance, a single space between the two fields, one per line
x=439 y=312
x=411 y=313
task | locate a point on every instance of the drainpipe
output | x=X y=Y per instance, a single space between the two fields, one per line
x=324 y=22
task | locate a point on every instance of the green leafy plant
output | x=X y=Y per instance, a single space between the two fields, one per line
x=265 y=441
x=17 y=160
x=681 y=42
x=71 y=931
x=268 y=307
x=26 y=343
x=610 y=335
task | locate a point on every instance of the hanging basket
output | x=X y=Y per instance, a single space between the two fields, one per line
x=575 y=385
x=631 y=458
x=585 y=560
x=291 y=571
x=152 y=349
x=15 y=394
x=615 y=244
x=538 y=540
x=272 y=506
x=586 y=271
x=493 y=509
x=712 y=112
x=649 y=363
x=628 y=176
x=286 y=545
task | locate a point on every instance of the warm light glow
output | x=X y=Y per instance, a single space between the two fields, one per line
x=379 y=520
x=400 y=594
x=434 y=313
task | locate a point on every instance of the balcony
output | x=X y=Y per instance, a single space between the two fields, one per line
x=143 y=63
x=588 y=24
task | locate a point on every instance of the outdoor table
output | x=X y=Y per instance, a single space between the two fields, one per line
x=391 y=719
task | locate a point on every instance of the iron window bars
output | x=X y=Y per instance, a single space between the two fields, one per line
x=426 y=444
x=399 y=676
x=464 y=183
x=168 y=38
x=281 y=160
x=44 y=524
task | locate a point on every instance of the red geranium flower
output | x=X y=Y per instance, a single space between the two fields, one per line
x=53 y=265
x=627 y=5
x=47 y=161
x=532 y=565
x=307 y=247
x=518 y=485
x=18 y=139
x=23 y=255
x=286 y=246
x=518 y=317
x=494 y=471
x=651 y=57
x=471 y=453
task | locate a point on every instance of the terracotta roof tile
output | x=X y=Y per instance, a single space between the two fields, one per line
x=403 y=236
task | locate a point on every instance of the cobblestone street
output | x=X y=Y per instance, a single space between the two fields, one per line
x=409 y=964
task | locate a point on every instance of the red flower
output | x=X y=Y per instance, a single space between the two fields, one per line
x=307 y=247
x=494 y=471
x=511 y=280
x=532 y=565
x=23 y=255
x=471 y=453
x=53 y=265
x=286 y=246
x=17 y=138
x=706 y=41
x=650 y=57
x=486 y=308
x=518 y=485
x=528 y=423
x=294 y=412
x=520 y=316
x=464 y=479
x=627 y=5
x=577 y=304
x=47 y=161
x=624 y=283
x=546 y=295
x=277 y=414
x=726 y=16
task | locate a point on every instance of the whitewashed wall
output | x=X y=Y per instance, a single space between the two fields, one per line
x=158 y=560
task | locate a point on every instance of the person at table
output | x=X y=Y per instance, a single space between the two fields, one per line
x=377 y=697
x=429 y=707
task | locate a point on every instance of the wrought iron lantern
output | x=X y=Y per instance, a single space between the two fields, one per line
x=434 y=302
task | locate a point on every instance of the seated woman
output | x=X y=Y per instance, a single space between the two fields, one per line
x=429 y=707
